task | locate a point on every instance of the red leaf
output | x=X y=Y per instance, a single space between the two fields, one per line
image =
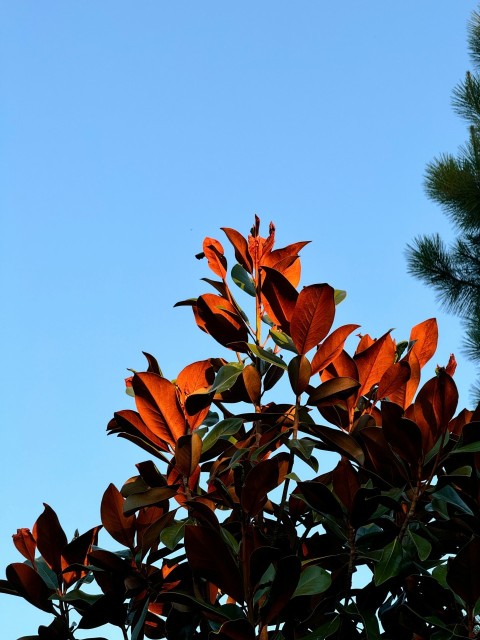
x=264 y=477
x=188 y=450
x=209 y=558
x=76 y=552
x=313 y=316
x=435 y=406
x=119 y=526
x=30 y=586
x=394 y=378
x=331 y=347
x=345 y=483
x=214 y=253
x=241 y=248
x=221 y=320
x=129 y=423
x=403 y=396
x=425 y=336
x=157 y=404
x=342 y=367
x=286 y=261
x=373 y=361
x=50 y=537
x=278 y=297
x=25 y=543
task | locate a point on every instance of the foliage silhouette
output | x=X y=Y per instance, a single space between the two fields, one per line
x=223 y=540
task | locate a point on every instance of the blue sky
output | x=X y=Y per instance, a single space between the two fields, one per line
x=132 y=130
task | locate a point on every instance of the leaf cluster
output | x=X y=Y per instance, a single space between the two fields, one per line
x=234 y=532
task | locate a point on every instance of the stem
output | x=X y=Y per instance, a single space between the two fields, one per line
x=124 y=632
x=413 y=505
x=351 y=561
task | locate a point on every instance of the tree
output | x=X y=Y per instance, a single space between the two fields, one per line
x=235 y=535
x=454 y=183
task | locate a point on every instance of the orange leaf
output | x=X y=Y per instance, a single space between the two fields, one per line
x=197 y=376
x=278 y=297
x=214 y=253
x=25 y=543
x=403 y=396
x=157 y=404
x=240 y=246
x=221 y=320
x=394 y=378
x=313 y=316
x=252 y=382
x=129 y=422
x=342 y=367
x=425 y=336
x=119 y=526
x=373 y=361
x=259 y=247
x=331 y=347
x=187 y=453
x=286 y=261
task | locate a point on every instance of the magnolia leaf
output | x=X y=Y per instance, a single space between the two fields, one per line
x=339 y=296
x=390 y=562
x=313 y=316
x=171 y=536
x=313 y=580
x=423 y=546
x=267 y=356
x=283 y=340
x=224 y=428
x=325 y=630
x=226 y=377
x=243 y=280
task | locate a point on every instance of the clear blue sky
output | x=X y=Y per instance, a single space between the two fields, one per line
x=129 y=131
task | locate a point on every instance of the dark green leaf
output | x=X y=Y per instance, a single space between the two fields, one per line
x=390 y=562
x=226 y=377
x=227 y=427
x=267 y=356
x=422 y=546
x=313 y=580
x=172 y=535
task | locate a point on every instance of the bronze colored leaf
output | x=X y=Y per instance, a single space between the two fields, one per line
x=214 y=253
x=241 y=248
x=129 y=422
x=192 y=382
x=332 y=391
x=157 y=404
x=50 y=537
x=374 y=361
x=312 y=317
x=279 y=297
x=75 y=553
x=252 y=382
x=405 y=394
x=345 y=483
x=342 y=367
x=331 y=347
x=153 y=365
x=30 y=586
x=342 y=442
x=283 y=586
x=319 y=497
x=462 y=575
x=188 y=450
x=118 y=525
x=25 y=543
x=210 y=558
x=425 y=336
x=394 y=378
x=156 y=495
x=261 y=479
x=402 y=434
x=221 y=320
x=434 y=407
x=299 y=373
x=286 y=261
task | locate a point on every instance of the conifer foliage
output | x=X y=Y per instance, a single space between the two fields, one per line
x=235 y=527
x=454 y=183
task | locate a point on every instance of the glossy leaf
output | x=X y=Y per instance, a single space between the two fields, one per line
x=227 y=427
x=394 y=378
x=187 y=453
x=299 y=373
x=210 y=559
x=264 y=477
x=214 y=253
x=153 y=496
x=425 y=339
x=390 y=562
x=30 y=586
x=221 y=319
x=282 y=340
x=374 y=361
x=50 y=537
x=253 y=383
x=331 y=347
x=243 y=280
x=312 y=317
x=313 y=580
x=118 y=525
x=267 y=356
x=333 y=390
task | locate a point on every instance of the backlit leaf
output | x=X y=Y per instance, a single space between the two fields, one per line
x=279 y=297
x=30 y=586
x=25 y=543
x=50 y=537
x=374 y=361
x=240 y=246
x=188 y=450
x=312 y=317
x=214 y=253
x=425 y=338
x=331 y=347
x=118 y=525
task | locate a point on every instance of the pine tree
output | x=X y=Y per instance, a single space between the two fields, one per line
x=454 y=183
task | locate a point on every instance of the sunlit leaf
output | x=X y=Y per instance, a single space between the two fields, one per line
x=118 y=525
x=331 y=347
x=214 y=253
x=299 y=373
x=312 y=316
x=267 y=356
